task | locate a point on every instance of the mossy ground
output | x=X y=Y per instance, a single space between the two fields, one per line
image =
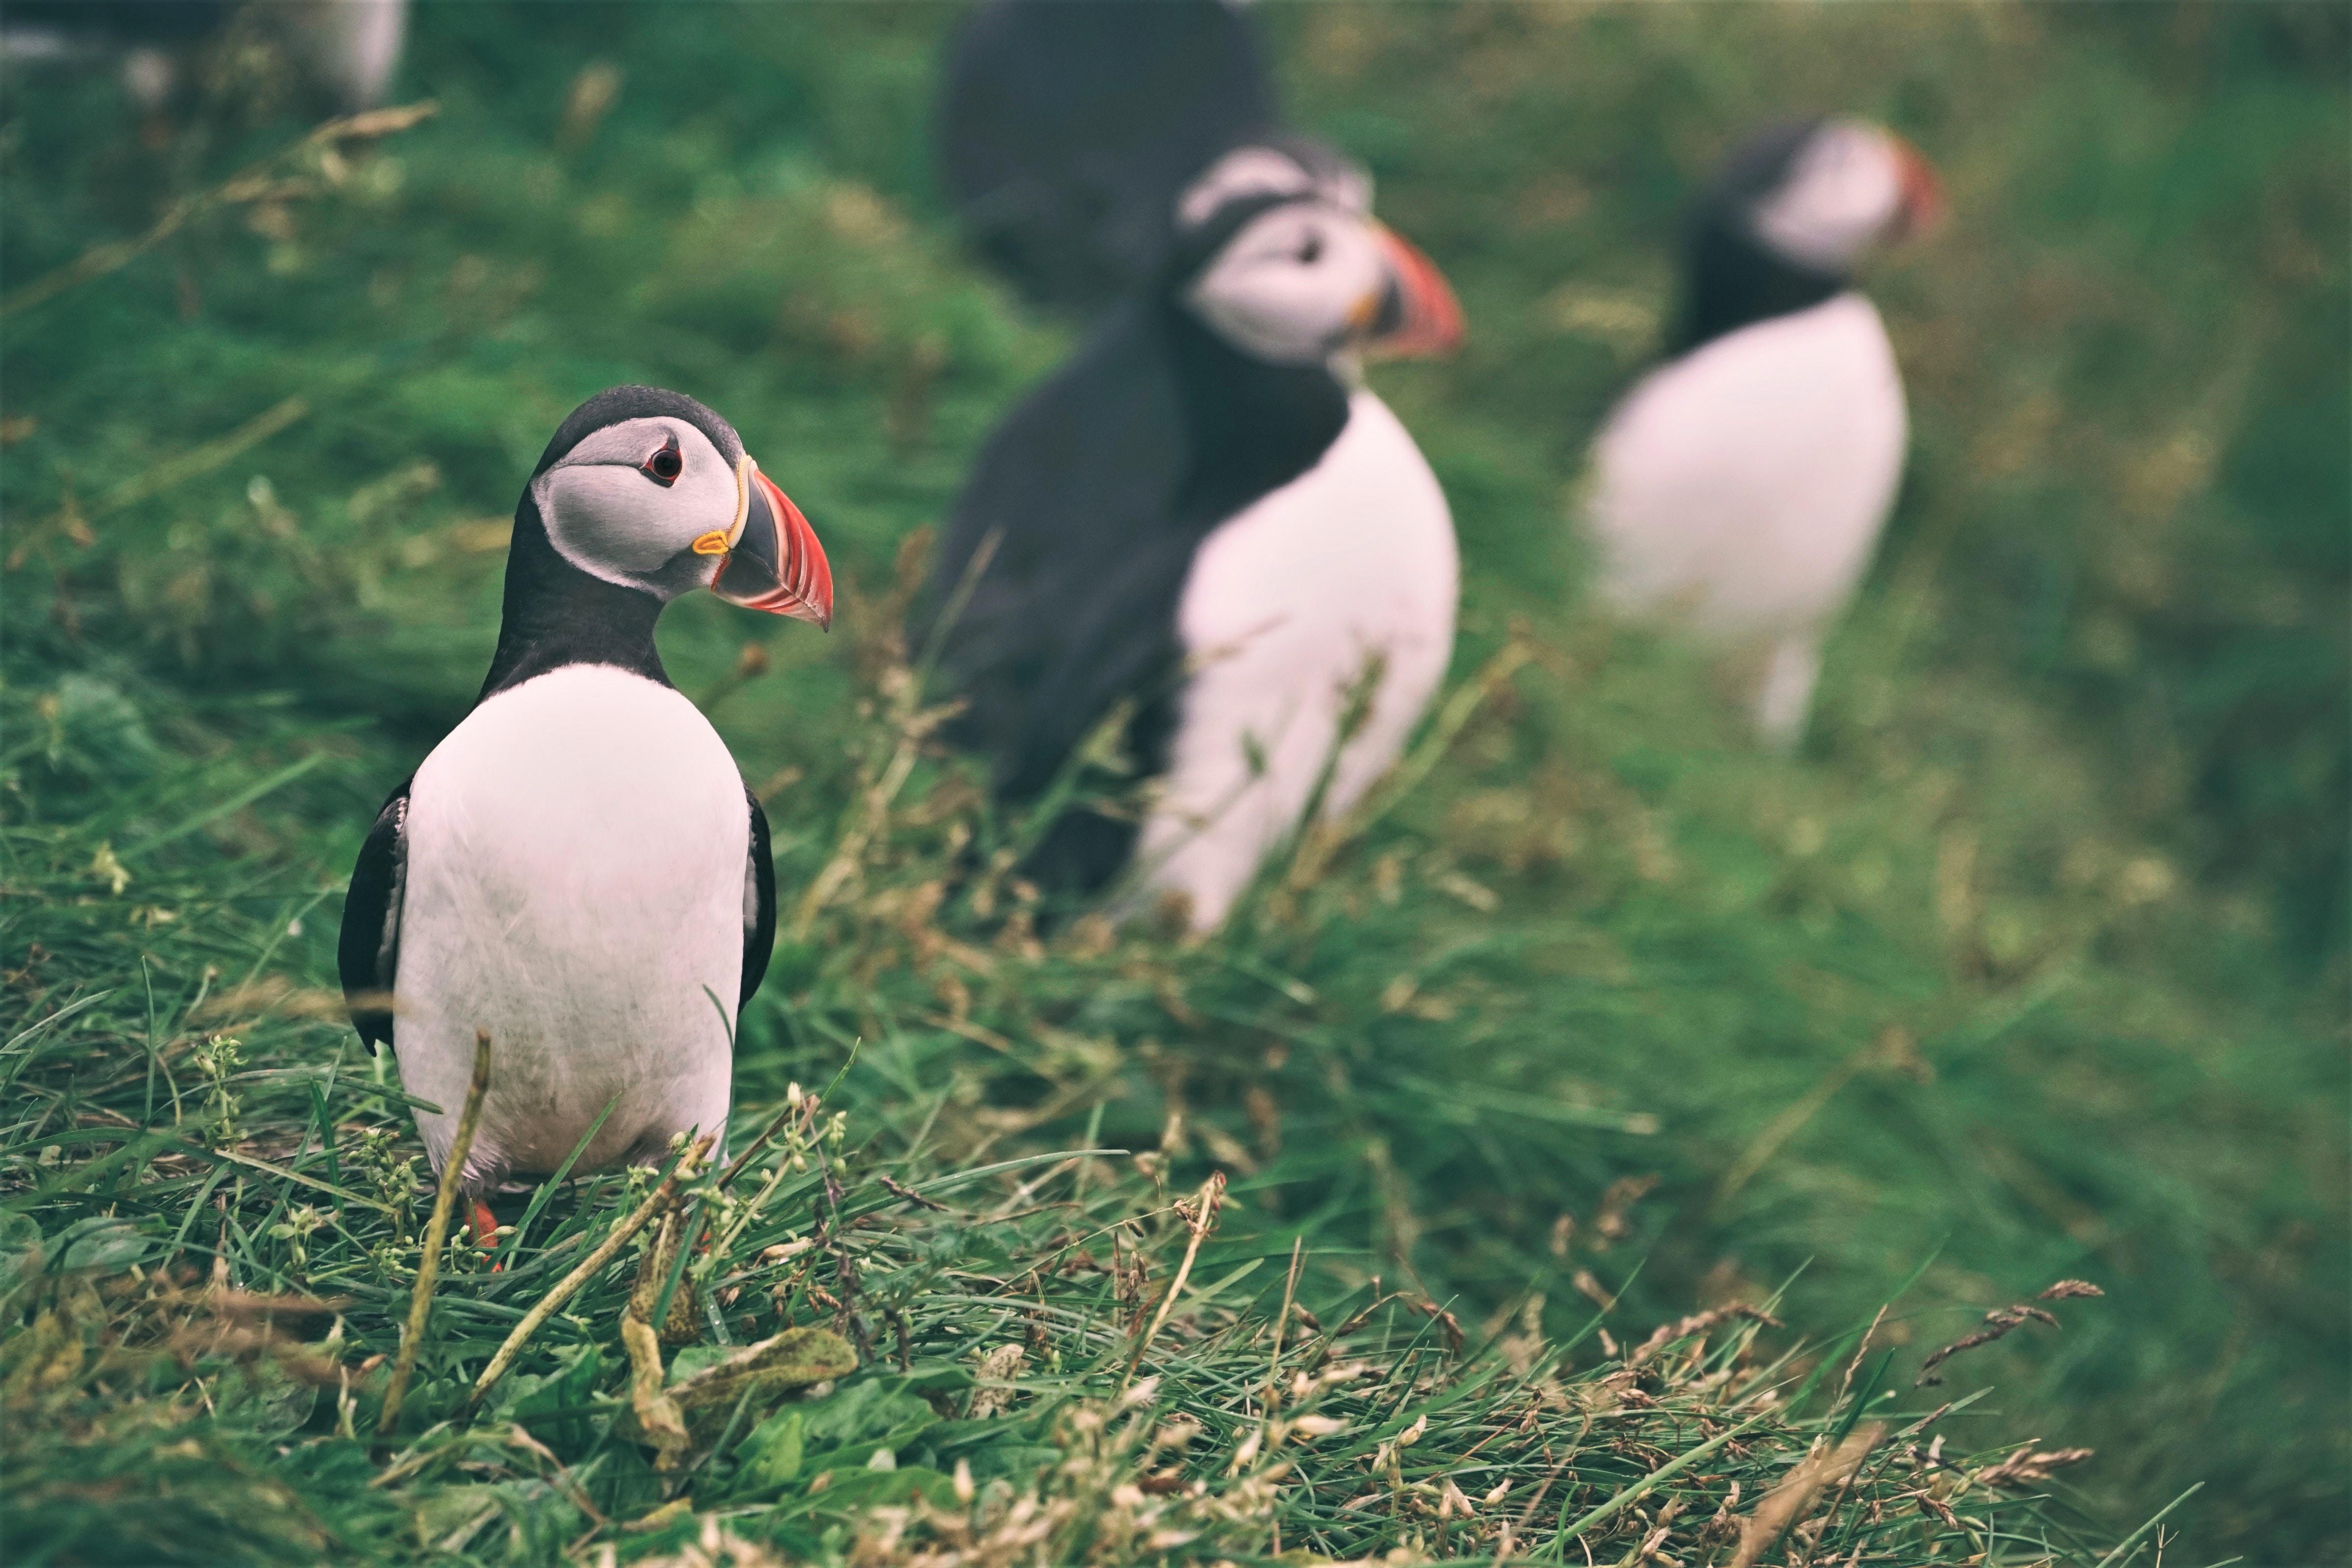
x=2030 y=966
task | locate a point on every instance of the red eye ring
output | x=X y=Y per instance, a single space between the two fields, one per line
x=665 y=466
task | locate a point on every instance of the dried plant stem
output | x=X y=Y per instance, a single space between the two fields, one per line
x=437 y=1232
x=656 y=1203
x=252 y=184
x=1282 y=1322
x=1200 y=1224
x=875 y=811
x=1324 y=841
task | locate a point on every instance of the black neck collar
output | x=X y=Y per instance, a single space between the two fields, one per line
x=1253 y=427
x=1730 y=280
x=554 y=615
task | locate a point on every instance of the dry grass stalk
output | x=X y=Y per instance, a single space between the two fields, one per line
x=1200 y=1217
x=437 y=1232
x=1785 y=1504
x=2068 y=1289
x=662 y=1422
x=2030 y=1467
x=1699 y=1323
x=253 y=183
x=1323 y=842
x=656 y=1203
x=2002 y=1324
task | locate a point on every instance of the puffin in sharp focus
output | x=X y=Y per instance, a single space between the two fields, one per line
x=577 y=867
x=1065 y=129
x=1206 y=517
x=1737 y=491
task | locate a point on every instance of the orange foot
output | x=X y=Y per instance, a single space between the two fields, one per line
x=486 y=1229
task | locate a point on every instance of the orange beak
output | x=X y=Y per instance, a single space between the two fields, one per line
x=773 y=562
x=1923 y=209
x=1418 y=314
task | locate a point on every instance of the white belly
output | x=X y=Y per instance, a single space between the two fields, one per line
x=1739 y=490
x=576 y=854
x=1288 y=606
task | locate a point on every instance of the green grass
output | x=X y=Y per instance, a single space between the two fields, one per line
x=2032 y=967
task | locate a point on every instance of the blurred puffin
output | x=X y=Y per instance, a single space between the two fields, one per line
x=578 y=869
x=1205 y=517
x=1739 y=488
x=1066 y=128
x=345 y=50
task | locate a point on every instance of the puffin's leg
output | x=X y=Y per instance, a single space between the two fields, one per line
x=486 y=1226
x=1785 y=696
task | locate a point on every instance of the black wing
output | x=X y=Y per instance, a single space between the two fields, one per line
x=368 y=952
x=759 y=905
x=1097 y=491
x=1066 y=128
x=1076 y=491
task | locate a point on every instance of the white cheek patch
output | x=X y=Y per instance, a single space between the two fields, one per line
x=606 y=520
x=1266 y=298
x=606 y=516
x=1843 y=190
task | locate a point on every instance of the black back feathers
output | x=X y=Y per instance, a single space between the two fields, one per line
x=1068 y=128
x=1097 y=493
x=367 y=950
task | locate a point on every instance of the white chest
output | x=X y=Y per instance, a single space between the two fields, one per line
x=575 y=885
x=1348 y=573
x=1742 y=487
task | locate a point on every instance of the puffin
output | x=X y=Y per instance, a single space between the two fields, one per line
x=578 y=869
x=1205 y=531
x=1066 y=129
x=345 y=51
x=1737 y=491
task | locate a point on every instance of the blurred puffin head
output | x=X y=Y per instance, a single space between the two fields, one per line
x=651 y=490
x=1278 y=255
x=1821 y=194
x=1790 y=214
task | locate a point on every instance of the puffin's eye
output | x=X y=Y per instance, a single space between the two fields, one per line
x=664 y=466
x=1310 y=251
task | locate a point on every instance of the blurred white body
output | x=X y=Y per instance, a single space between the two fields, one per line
x=1739 y=490
x=576 y=862
x=354 y=46
x=1287 y=604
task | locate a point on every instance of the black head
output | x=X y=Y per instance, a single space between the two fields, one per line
x=1278 y=253
x=644 y=495
x=1790 y=212
x=651 y=490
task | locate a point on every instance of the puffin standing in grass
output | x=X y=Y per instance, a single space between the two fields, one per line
x=578 y=869
x=1205 y=523
x=1065 y=129
x=1738 y=489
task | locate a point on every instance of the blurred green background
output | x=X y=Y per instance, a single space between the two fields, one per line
x=2035 y=961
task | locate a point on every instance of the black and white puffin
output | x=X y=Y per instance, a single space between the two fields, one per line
x=1065 y=129
x=577 y=867
x=1204 y=515
x=344 y=50
x=1738 y=489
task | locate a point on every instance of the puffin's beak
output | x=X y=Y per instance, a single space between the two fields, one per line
x=1416 y=312
x=1923 y=207
x=773 y=560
